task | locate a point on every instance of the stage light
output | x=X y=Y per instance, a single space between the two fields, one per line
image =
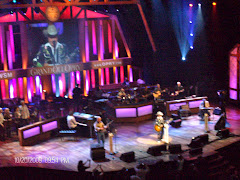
x=11 y=12
x=106 y=9
x=191 y=34
x=190 y=5
x=214 y=3
x=183 y=58
x=14 y=1
x=190 y=22
x=191 y=47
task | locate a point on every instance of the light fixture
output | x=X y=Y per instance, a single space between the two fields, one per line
x=183 y=58
x=190 y=22
x=214 y=3
x=191 y=47
x=191 y=34
x=190 y=5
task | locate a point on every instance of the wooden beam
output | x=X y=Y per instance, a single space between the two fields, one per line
x=75 y=3
x=146 y=27
x=24 y=15
x=5 y=1
x=78 y=14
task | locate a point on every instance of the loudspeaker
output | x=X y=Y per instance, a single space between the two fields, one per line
x=175 y=116
x=175 y=148
x=217 y=111
x=195 y=151
x=203 y=138
x=97 y=152
x=156 y=150
x=176 y=123
x=128 y=157
x=196 y=142
x=221 y=123
x=224 y=133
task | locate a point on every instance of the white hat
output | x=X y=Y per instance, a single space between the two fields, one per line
x=50 y=31
x=159 y=113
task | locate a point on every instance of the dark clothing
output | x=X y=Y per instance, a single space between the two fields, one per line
x=48 y=54
x=77 y=92
x=180 y=94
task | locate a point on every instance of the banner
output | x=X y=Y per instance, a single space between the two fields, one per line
x=65 y=68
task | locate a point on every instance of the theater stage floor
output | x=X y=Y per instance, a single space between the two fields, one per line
x=129 y=138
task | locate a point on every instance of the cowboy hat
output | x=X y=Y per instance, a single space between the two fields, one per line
x=51 y=31
x=159 y=113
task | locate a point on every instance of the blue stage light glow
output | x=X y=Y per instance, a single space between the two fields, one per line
x=191 y=47
x=199 y=5
x=190 y=22
x=191 y=34
x=14 y=1
x=183 y=58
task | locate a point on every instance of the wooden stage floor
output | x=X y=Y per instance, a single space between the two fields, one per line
x=129 y=138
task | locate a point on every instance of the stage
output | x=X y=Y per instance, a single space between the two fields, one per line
x=64 y=154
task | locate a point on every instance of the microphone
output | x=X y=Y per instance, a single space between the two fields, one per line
x=54 y=44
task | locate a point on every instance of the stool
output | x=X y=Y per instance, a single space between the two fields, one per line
x=68 y=133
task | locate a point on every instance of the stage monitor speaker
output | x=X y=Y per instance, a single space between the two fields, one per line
x=196 y=142
x=221 y=123
x=224 y=133
x=203 y=138
x=175 y=148
x=128 y=157
x=176 y=123
x=156 y=150
x=97 y=152
x=217 y=111
x=196 y=151
x=175 y=116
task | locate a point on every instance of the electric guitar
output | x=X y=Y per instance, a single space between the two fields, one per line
x=157 y=94
x=104 y=128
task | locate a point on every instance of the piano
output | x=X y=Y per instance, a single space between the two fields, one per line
x=88 y=119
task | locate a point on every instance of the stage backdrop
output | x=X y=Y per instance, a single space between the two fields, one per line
x=82 y=47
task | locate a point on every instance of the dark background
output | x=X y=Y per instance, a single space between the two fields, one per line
x=206 y=65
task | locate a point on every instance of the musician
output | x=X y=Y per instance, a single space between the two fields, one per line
x=2 y=130
x=157 y=92
x=146 y=93
x=202 y=109
x=160 y=122
x=179 y=91
x=8 y=119
x=77 y=92
x=121 y=94
x=100 y=127
x=25 y=115
x=72 y=123
x=126 y=82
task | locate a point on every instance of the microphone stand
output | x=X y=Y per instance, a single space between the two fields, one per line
x=115 y=139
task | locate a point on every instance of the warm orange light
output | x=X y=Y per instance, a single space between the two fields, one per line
x=214 y=3
x=190 y=5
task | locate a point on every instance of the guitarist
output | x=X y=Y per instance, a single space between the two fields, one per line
x=157 y=92
x=179 y=91
x=100 y=128
x=160 y=123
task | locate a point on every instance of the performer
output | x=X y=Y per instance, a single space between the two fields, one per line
x=77 y=92
x=202 y=109
x=53 y=52
x=179 y=91
x=146 y=93
x=126 y=82
x=25 y=115
x=159 y=125
x=157 y=92
x=121 y=94
x=8 y=121
x=100 y=128
x=72 y=123
x=2 y=130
